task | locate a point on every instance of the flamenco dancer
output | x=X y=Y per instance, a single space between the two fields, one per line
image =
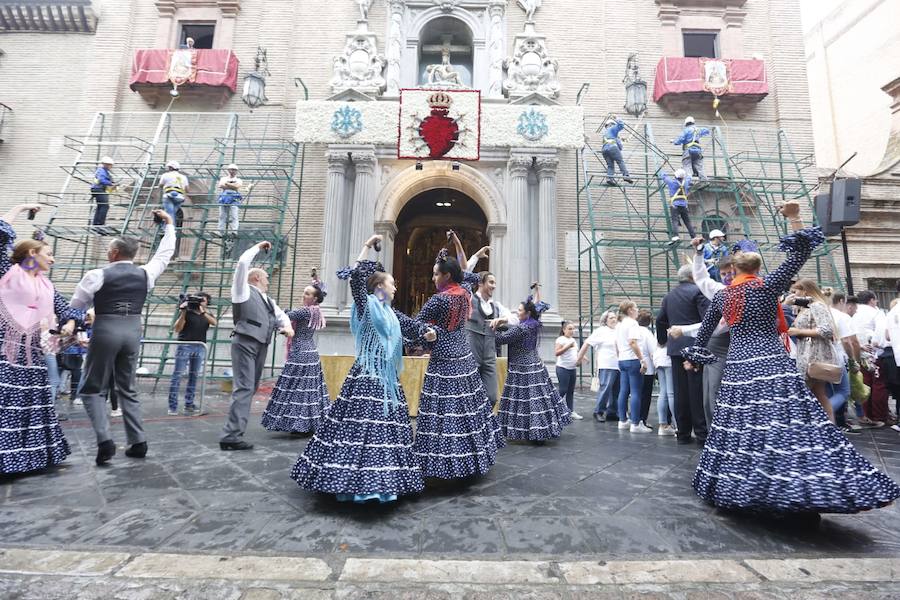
x=457 y=434
x=772 y=448
x=530 y=407
x=300 y=397
x=362 y=449
x=30 y=435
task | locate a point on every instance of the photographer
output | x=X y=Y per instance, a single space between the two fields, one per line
x=191 y=326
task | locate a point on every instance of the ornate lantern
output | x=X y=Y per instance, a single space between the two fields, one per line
x=635 y=88
x=254 y=94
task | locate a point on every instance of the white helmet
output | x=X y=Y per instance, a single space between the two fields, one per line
x=107 y=160
x=689 y=121
x=173 y=164
x=716 y=233
x=231 y=167
x=679 y=174
x=610 y=121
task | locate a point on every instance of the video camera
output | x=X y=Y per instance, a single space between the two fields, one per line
x=193 y=300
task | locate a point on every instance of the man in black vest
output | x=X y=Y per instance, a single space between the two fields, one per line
x=256 y=319
x=684 y=305
x=118 y=292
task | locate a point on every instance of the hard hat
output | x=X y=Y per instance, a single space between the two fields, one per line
x=173 y=164
x=106 y=160
x=689 y=121
x=610 y=121
x=231 y=167
x=716 y=233
x=679 y=174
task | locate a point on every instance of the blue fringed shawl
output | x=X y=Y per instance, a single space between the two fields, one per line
x=379 y=346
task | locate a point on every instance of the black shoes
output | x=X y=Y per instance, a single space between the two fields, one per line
x=685 y=440
x=139 y=450
x=628 y=180
x=242 y=445
x=105 y=451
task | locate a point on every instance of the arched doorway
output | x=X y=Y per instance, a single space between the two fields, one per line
x=422 y=231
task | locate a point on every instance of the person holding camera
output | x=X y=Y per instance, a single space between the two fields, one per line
x=118 y=292
x=191 y=326
x=256 y=319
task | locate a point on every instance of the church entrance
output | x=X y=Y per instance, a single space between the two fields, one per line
x=422 y=227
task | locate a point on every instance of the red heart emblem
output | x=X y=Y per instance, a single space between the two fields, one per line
x=440 y=132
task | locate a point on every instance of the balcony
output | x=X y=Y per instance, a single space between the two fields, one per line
x=49 y=16
x=683 y=83
x=202 y=74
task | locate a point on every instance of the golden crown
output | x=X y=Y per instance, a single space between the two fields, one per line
x=440 y=100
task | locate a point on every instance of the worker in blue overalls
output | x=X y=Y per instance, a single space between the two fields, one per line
x=678 y=186
x=714 y=251
x=174 y=184
x=100 y=189
x=612 y=150
x=691 y=150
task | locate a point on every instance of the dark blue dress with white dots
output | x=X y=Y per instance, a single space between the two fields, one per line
x=457 y=434
x=771 y=446
x=362 y=449
x=30 y=435
x=300 y=396
x=530 y=406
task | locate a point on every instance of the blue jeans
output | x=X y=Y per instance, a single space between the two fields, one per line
x=171 y=203
x=190 y=356
x=102 y=200
x=566 y=379
x=632 y=383
x=605 y=403
x=665 y=404
x=613 y=156
x=52 y=375
x=838 y=393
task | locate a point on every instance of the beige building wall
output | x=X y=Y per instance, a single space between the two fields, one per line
x=55 y=83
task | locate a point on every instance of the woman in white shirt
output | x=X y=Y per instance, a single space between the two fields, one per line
x=603 y=341
x=632 y=366
x=647 y=342
x=566 y=361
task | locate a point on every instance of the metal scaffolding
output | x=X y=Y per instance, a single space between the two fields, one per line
x=624 y=230
x=203 y=143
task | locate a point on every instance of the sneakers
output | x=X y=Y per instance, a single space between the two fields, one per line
x=624 y=425
x=116 y=413
x=869 y=423
x=190 y=411
x=665 y=430
x=77 y=401
x=675 y=239
x=895 y=427
x=628 y=180
x=573 y=414
x=172 y=412
x=641 y=428
x=851 y=429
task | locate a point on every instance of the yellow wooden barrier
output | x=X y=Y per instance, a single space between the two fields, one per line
x=336 y=367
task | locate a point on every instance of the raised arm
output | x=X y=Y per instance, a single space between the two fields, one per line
x=799 y=246
x=240 y=288
x=698 y=354
x=513 y=334
x=164 y=252
x=458 y=248
x=708 y=286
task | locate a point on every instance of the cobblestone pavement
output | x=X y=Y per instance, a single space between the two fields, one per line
x=597 y=494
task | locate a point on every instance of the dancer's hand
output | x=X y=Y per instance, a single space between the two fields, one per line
x=790 y=209
x=430 y=335
x=375 y=239
x=689 y=366
x=675 y=332
x=68 y=329
x=697 y=242
x=483 y=252
x=287 y=331
x=264 y=246
x=495 y=323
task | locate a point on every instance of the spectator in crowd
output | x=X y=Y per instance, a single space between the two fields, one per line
x=647 y=343
x=603 y=341
x=192 y=325
x=633 y=364
x=665 y=404
x=566 y=360
x=848 y=354
x=870 y=324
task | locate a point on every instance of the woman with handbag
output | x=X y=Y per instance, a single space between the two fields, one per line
x=603 y=340
x=814 y=330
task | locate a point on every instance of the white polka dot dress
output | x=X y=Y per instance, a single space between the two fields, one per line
x=457 y=434
x=30 y=435
x=771 y=446
x=363 y=447
x=530 y=407
x=300 y=397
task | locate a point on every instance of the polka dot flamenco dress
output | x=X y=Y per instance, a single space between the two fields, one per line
x=771 y=447
x=300 y=396
x=530 y=407
x=457 y=434
x=362 y=450
x=30 y=435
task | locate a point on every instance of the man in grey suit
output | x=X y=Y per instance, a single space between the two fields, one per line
x=256 y=319
x=118 y=292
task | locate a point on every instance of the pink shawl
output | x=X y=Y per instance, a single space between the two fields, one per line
x=26 y=303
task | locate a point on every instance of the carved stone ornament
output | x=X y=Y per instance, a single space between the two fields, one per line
x=531 y=69
x=360 y=66
x=446 y=6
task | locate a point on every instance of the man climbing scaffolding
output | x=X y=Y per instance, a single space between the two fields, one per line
x=678 y=186
x=691 y=150
x=612 y=150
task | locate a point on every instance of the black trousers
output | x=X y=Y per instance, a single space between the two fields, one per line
x=647 y=396
x=688 y=401
x=681 y=212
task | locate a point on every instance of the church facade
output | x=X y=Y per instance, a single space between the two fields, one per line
x=526 y=82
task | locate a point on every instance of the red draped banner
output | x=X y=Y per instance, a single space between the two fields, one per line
x=680 y=75
x=216 y=68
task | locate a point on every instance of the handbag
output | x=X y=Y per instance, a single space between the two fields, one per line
x=595 y=384
x=824 y=371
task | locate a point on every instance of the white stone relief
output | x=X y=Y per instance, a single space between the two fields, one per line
x=360 y=66
x=531 y=69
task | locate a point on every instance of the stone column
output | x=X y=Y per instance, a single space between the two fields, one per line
x=669 y=33
x=518 y=245
x=333 y=245
x=362 y=210
x=548 y=267
x=394 y=46
x=497 y=241
x=496 y=49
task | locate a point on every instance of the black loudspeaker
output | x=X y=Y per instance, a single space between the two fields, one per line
x=823 y=215
x=845 y=195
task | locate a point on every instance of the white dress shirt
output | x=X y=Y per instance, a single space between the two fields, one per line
x=870 y=327
x=240 y=287
x=892 y=327
x=92 y=281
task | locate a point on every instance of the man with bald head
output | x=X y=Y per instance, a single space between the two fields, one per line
x=256 y=319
